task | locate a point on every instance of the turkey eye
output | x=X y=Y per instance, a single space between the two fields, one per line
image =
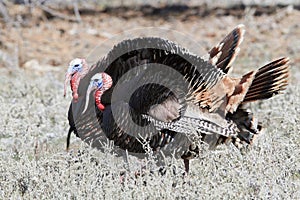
x=96 y=80
x=76 y=65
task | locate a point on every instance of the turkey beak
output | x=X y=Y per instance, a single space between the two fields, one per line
x=91 y=88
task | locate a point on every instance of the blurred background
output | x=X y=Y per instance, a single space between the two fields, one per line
x=50 y=33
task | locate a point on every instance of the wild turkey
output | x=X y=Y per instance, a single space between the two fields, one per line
x=150 y=91
x=222 y=56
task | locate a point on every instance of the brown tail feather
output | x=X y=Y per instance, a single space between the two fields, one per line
x=269 y=80
x=225 y=52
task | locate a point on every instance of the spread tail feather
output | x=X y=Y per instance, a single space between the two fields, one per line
x=269 y=80
x=223 y=54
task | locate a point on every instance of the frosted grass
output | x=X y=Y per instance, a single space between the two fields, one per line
x=35 y=165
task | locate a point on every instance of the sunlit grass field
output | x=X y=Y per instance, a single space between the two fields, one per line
x=35 y=165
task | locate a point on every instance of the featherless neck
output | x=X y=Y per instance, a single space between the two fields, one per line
x=74 y=85
x=107 y=81
x=98 y=95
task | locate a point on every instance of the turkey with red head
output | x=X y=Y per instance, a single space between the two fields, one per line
x=150 y=92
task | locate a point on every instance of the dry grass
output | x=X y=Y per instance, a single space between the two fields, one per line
x=34 y=164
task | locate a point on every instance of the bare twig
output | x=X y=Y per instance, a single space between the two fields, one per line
x=57 y=14
x=76 y=11
x=3 y=12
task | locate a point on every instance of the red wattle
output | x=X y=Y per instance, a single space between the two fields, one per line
x=98 y=95
x=74 y=86
x=101 y=106
x=75 y=97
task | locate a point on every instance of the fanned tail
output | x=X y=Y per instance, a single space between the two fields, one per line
x=223 y=54
x=269 y=80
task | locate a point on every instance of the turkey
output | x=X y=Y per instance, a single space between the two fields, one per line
x=222 y=55
x=152 y=93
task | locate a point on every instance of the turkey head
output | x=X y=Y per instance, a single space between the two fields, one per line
x=78 y=68
x=99 y=82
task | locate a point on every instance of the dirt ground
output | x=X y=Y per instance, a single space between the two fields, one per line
x=39 y=39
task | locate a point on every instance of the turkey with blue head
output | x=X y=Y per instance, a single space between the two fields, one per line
x=151 y=93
